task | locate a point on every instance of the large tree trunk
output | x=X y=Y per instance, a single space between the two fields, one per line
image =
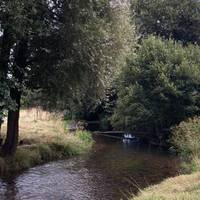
x=11 y=141
x=19 y=66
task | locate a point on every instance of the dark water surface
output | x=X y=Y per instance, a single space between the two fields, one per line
x=109 y=172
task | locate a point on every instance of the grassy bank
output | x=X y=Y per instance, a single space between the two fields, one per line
x=186 y=140
x=42 y=139
x=184 y=187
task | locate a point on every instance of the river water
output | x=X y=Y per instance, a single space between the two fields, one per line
x=110 y=171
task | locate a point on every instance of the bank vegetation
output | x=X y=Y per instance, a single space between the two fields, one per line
x=186 y=137
x=43 y=138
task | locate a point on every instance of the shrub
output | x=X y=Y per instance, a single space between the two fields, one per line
x=84 y=136
x=186 y=140
x=45 y=151
x=60 y=149
x=105 y=123
x=186 y=137
x=23 y=159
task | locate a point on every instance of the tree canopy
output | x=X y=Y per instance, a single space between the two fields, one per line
x=176 y=19
x=80 y=56
x=62 y=49
x=159 y=87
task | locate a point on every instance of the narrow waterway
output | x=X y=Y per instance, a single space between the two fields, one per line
x=111 y=171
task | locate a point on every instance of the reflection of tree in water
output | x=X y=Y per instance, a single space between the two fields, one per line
x=128 y=166
x=11 y=190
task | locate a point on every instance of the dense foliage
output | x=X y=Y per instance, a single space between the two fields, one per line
x=66 y=50
x=159 y=87
x=185 y=140
x=186 y=137
x=72 y=55
x=105 y=51
x=177 y=19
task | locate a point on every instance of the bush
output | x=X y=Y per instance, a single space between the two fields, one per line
x=61 y=149
x=186 y=137
x=159 y=87
x=45 y=151
x=84 y=136
x=23 y=159
x=186 y=140
x=105 y=123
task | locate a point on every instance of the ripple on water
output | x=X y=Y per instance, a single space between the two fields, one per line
x=59 y=180
x=98 y=176
x=2 y=188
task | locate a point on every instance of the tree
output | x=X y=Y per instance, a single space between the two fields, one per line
x=6 y=44
x=17 y=32
x=107 y=38
x=159 y=87
x=53 y=46
x=176 y=19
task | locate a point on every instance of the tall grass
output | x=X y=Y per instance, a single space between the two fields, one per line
x=44 y=139
x=184 y=187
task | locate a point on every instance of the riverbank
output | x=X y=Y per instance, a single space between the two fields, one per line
x=183 y=187
x=43 y=138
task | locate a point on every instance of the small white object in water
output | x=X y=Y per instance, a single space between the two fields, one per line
x=129 y=136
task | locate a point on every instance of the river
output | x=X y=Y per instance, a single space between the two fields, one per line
x=110 y=171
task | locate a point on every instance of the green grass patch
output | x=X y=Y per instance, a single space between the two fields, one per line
x=59 y=148
x=84 y=136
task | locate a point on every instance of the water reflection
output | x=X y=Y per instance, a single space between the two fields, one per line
x=104 y=174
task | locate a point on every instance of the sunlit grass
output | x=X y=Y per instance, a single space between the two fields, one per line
x=43 y=138
x=37 y=126
x=184 y=187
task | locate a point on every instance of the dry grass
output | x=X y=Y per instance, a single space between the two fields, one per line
x=44 y=139
x=37 y=126
x=184 y=187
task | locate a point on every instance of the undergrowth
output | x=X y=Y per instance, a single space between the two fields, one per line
x=59 y=148
x=44 y=138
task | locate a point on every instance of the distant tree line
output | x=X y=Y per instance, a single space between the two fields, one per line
x=160 y=85
x=175 y=19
